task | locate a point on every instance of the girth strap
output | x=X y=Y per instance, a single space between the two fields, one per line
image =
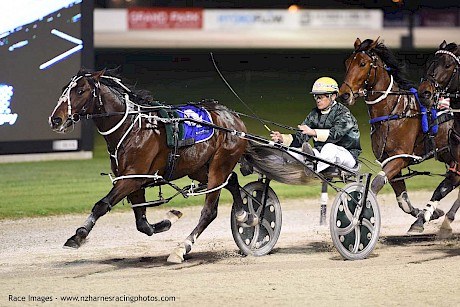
x=172 y=156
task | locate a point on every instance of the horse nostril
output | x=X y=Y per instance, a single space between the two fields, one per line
x=56 y=121
x=426 y=95
x=345 y=96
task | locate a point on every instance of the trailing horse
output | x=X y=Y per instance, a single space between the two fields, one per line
x=143 y=153
x=401 y=135
x=439 y=90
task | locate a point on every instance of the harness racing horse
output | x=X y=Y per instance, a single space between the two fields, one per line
x=373 y=72
x=137 y=143
x=441 y=82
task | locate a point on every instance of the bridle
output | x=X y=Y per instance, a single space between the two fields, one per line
x=366 y=85
x=76 y=116
x=444 y=92
x=65 y=97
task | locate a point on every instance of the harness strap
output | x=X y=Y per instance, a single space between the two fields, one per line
x=118 y=125
x=172 y=156
x=384 y=118
x=384 y=162
x=384 y=94
x=455 y=169
x=457 y=59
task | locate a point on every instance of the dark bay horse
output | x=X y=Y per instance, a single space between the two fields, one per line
x=441 y=82
x=398 y=138
x=140 y=156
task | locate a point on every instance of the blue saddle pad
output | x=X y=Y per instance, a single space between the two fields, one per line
x=194 y=130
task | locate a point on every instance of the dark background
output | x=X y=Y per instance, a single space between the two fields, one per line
x=272 y=83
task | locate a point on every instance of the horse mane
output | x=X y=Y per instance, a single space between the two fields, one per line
x=139 y=96
x=396 y=67
x=212 y=105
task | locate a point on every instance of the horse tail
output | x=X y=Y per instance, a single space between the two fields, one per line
x=274 y=163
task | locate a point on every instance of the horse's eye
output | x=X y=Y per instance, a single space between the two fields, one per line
x=447 y=66
x=362 y=64
x=80 y=92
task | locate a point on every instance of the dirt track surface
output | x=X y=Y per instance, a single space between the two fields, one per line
x=118 y=263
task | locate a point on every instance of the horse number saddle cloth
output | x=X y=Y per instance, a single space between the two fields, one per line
x=189 y=132
x=193 y=130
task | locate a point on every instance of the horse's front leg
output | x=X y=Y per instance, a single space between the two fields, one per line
x=142 y=224
x=120 y=190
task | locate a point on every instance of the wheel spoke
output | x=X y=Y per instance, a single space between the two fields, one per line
x=346 y=209
x=349 y=239
x=253 y=242
x=267 y=226
x=346 y=230
x=357 y=240
x=369 y=225
x=260 y=239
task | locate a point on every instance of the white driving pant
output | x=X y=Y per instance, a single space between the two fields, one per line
x=334 y=154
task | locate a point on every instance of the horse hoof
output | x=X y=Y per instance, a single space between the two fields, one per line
x=173 y=215
x=146 y=228
x=73 y=243
x=446 y=229
x=415 y=229
x=444 y=233
x=176 y=256
x=436 y=214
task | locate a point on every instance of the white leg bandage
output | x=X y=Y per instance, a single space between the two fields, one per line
x=403 y=202
x=430 y=207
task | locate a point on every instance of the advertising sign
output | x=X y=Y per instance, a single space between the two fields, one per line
x=164 y=18
x=334 y=19
x=251 y=19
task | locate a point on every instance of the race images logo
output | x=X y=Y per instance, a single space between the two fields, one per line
x=6 y=117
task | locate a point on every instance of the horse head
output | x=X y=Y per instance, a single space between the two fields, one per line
x=359 y=71
x=441 y=74
x=77 y=99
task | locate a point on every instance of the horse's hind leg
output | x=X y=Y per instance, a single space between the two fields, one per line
x=242 y=217
x=451 y=181
x=217 y=176
x=142 y=224
x=399 y=187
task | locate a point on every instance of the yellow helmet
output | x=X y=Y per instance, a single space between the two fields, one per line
x=325 y=85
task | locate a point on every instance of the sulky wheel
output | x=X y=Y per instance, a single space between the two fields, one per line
x=260 y=239
x=354 y=239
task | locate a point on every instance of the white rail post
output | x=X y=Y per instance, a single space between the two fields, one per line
x=323 y=203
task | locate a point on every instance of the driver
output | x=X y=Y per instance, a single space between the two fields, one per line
x=333 y=128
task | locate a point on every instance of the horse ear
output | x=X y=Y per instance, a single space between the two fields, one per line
x=357 y=43
x=98 y=74
x=443 y=45
x=374 y=43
